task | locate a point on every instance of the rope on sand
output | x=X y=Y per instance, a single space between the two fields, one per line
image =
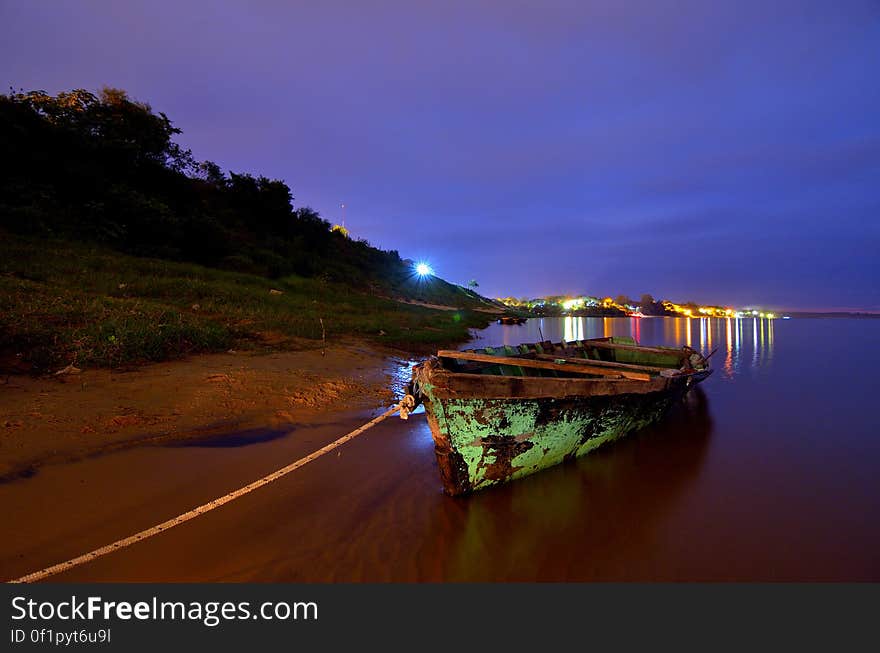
x=202 y=509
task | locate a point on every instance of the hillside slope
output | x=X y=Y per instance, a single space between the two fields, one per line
x=64 y=303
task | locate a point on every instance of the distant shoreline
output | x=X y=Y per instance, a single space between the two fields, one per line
x=779 y=316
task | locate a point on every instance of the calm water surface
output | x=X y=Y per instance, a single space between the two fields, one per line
x=769 y=471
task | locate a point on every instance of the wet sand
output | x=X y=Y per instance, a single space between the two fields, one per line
x=66 y=417
x=373 y=511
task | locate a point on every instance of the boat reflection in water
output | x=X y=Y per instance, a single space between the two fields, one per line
x=743 y=342
x=599 y=517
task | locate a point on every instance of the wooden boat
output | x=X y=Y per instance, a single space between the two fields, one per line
x=508 y=319
x=501 y=413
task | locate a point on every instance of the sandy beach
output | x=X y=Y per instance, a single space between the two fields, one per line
x=74 y=415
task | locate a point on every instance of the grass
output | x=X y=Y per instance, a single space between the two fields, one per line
x=66 y=303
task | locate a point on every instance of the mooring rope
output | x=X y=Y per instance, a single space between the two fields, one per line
x=202 y=509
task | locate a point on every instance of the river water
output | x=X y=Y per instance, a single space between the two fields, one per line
x=769 y=471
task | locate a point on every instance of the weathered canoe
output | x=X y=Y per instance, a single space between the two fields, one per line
x=497 y=414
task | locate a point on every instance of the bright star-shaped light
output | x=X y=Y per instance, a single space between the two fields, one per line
x=423 y=270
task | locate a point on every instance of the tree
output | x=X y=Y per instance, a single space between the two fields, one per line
x=135 y=133
x=210 y=172
x=104 y=167
x=472 y=284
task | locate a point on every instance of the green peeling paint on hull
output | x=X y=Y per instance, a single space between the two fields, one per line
x=496 y=440
x=494 y=422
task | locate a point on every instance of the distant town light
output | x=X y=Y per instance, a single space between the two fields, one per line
x=423 y=269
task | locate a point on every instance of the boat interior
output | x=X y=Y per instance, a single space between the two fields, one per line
x=614 y=357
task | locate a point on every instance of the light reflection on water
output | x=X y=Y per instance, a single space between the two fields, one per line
x=740 y=341
x=399 y=374
x=768 y=470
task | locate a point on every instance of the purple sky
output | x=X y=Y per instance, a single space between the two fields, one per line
x=706 y=151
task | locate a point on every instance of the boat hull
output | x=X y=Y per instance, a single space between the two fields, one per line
x=483 y=440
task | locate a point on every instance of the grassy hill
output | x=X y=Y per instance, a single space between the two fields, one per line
x=117 y=246
x=67 y=303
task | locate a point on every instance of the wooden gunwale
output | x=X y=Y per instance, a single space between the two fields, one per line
x=462 y=385
x=518 y=361
x=451 y=385
x=682 y=353
x=470 y=383
x=589 y=361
